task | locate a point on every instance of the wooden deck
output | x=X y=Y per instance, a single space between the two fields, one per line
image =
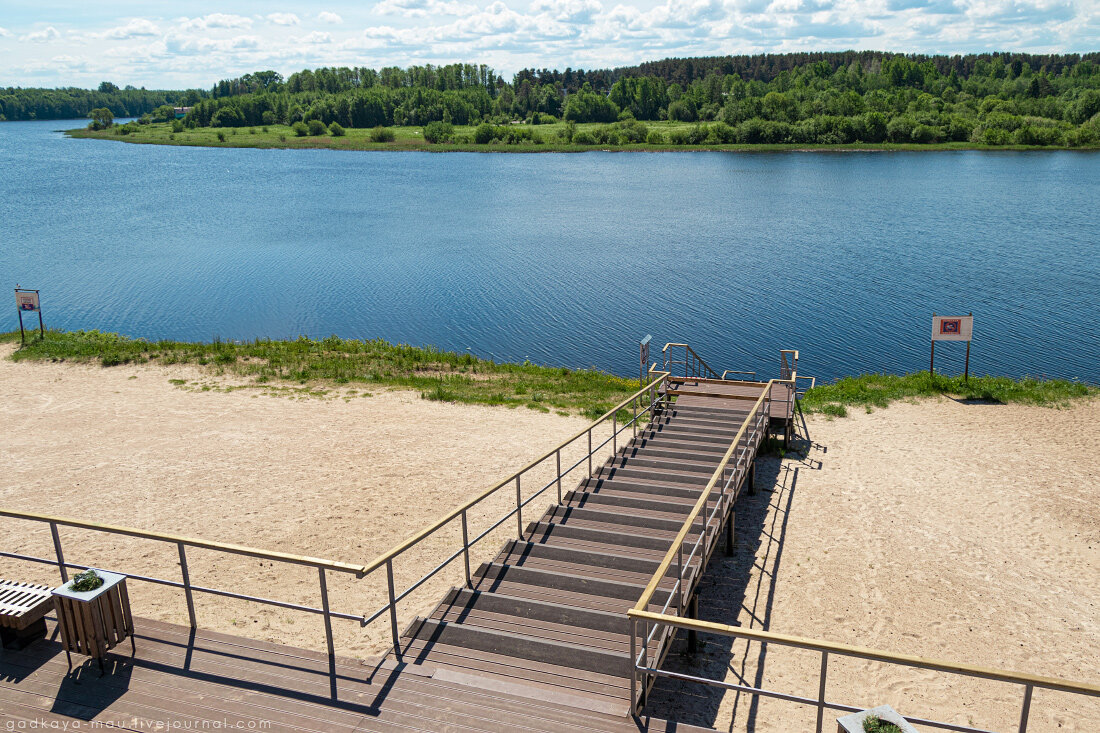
x=539 y=642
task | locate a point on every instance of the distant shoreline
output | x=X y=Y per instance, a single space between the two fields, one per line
x=410 y=139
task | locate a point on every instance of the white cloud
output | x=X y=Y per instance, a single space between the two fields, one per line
x=4 y=33
x=423 y=8
x=215 y=20
x=327 y=17
x=284 y=19
x=568 y=11
x=136 y=28
x=45 y=35
x=316 y=38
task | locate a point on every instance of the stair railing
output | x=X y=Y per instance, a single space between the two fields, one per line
x=693 y=364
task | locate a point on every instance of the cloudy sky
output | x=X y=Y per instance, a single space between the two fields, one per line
x=153 y=45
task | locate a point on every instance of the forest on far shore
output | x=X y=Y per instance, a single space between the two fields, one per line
x=807 y=98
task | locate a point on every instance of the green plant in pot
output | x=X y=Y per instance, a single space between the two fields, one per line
x=87 y=581
x=875 y=724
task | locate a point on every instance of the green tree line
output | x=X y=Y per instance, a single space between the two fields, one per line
x=18 y=103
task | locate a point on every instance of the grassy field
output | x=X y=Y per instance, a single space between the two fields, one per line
x=412 y=138
x=321 y=364
x=879 y=390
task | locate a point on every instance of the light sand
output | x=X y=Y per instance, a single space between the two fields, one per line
x=963 y=532
x=339 y=478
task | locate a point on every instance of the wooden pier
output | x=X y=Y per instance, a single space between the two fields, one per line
x=540 y=638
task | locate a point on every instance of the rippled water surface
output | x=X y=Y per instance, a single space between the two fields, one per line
x=567 y=259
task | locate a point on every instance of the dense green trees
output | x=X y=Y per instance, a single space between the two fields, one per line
x=799 y=98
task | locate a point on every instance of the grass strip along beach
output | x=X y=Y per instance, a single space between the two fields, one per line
x=462 y=377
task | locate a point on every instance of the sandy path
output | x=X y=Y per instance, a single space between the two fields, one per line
x=962 y=532
x=332 y=478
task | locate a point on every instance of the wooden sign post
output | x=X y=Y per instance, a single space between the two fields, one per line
x=952 y=328
x=26 y=301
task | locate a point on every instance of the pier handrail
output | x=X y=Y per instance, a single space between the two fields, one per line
x=826 y=648
x=650 y=391
x=691 y=361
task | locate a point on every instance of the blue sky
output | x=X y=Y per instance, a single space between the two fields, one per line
x=159 y=45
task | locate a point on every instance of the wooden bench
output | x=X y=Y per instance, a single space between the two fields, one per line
x=23 y=607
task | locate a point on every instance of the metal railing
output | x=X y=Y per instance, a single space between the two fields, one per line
x=827 y=649
x=182 y=544
x=751 y=375
x=659 y=627
x=693 y=364
x=728 y=478
x=642 y=403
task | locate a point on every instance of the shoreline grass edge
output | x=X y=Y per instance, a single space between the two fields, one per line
x=450 y=376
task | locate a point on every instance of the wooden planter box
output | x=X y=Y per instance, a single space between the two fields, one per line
x=854 y=723
x=93 y=622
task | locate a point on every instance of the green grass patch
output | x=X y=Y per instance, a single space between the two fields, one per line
x=869 y=391
x=551 y=139
x=437 y=375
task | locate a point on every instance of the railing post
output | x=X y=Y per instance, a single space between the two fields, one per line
x=680 y=575
x=589 y=452
x=614 y=433
x=557 y=453
x=187 y=585
x=393 y=609
x=821 y=690
x=634 y=411
x=633 y=627
x=466 y=549
x=328 y=632
x=519 y=508
x=1026 y=709
x=58 y=553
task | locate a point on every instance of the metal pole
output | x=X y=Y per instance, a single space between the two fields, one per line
x=187 y=585
x=519 y=507
x=393 y=610
x=589 y=452
x=821 y=690
x=466 y=550
x=58 y=553
x=633 y=662
x=41 y=328
x=558 y=454
x=328 y=632
x=614 y=434
x=22 y=333
x=1027 y=709
x=966 y=369
x=680 y=575
x=932 y=361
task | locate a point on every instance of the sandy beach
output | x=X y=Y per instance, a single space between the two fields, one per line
x=958 y=531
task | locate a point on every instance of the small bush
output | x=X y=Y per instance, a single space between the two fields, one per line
x=177 y=126
x=875 y=724
x=438 y=132
x=316 y=127
x=336 y=130
x=268 y=118
x=221 y=136
x=300 y=129
x=484 y=134
x=86 y=581
x=583 y=137
x=382 y=135
x=655 y=138
x=252 y=131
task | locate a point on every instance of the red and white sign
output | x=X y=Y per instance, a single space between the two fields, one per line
x=952 y=328
x=26 y=302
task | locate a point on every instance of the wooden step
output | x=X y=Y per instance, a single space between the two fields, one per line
x=561 y=654
x=489 y=573
x=605 y=497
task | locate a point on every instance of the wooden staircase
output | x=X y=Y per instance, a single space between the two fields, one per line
x=546 y=619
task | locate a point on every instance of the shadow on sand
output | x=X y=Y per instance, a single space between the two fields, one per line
x=741 y=586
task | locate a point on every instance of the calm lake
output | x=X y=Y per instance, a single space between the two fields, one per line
x=567 y=259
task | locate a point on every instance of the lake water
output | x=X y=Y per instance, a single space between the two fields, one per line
x=567 y=259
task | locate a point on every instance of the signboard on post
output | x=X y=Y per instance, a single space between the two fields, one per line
x=26 y=301
x=952 y=328
x=644 y=373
